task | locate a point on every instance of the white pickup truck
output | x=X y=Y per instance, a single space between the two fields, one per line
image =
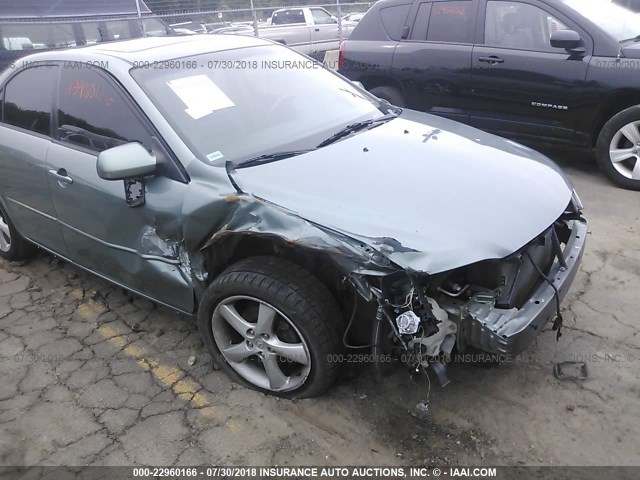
x=309 y=30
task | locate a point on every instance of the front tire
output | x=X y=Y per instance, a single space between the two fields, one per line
x=12 y=246
x=618 y=148
x=270 y=325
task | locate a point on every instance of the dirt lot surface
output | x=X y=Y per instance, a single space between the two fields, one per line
x=90 y=375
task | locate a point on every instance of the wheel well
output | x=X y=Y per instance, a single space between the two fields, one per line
x=235 y=247
x=611 y=106
x=373 y=82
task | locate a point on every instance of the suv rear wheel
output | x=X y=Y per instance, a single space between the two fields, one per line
x=270 y=325
x=618 y=148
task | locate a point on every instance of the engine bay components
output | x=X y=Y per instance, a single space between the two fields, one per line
x=424 y=331
x=439 y=343
x=496 y=306
x=408 y=323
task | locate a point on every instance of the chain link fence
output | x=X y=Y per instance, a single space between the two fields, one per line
x=245 y=17
x=246 y=13
x=30 y=26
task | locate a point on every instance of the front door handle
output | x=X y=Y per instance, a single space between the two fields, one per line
x=493 y=60
x=61 y=176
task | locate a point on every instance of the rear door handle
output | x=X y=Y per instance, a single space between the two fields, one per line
x=61 y=176
x=493 y=60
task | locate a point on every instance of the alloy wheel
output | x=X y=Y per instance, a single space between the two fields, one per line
x=5 y=234
x=624 y=151
x=261 y=344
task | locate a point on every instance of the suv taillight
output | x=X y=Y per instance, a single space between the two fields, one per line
x=341 y=56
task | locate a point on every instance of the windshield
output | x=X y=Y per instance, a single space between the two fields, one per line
x=617 y=21
x=239 y=104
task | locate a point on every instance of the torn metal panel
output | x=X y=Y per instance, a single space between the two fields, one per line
x=198 y=267
x=253 y=216
x=193 y=269
x=185 y=261
x=152 y=244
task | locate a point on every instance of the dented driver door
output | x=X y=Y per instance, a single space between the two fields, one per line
x=137 y=243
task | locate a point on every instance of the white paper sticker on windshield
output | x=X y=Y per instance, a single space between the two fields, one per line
x=200 y=95
x=212 y=157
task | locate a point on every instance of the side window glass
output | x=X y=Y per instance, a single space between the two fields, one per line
x=26 y=109
x=154 y=27
x=555 y=25
x=520 y=26
x=92 y=113
x=320 y=17
x=119 y=30
x=394 y=19
x=419 y=30
x=62 y=36
x=295 y=15
x=91 y=33
x=451 y=22
x=37 y=36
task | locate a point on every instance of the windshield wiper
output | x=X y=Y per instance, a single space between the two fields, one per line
x=270 y=157
x=631 y=40
x=354 y=127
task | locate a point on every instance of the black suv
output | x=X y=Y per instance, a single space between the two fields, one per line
x=554 y=72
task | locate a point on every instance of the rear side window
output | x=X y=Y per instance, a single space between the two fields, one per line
x=28 y=99
x=288 y=16
x=394 y=19
x=93 y=113
x=419 y=30
x=451 y=22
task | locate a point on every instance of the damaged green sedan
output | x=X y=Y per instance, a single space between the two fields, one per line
x=294 y=213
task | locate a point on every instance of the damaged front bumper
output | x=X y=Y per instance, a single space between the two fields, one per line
x=509 y=331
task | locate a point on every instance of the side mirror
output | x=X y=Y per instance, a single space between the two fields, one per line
x=334 y=19
x=125 y=162
x=570 y=40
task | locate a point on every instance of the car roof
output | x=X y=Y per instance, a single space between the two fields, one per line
x=150 y=49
